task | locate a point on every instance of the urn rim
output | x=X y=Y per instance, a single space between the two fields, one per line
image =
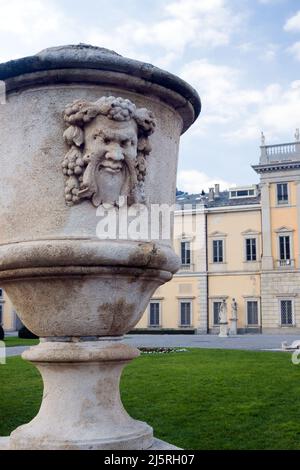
x=85 y=56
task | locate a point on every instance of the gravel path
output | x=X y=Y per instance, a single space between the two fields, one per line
x=246 y=342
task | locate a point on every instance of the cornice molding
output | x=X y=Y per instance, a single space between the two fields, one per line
x=276 y=166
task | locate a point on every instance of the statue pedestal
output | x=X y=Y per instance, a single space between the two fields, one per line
x=223 y=330
x=233 y=327
x=81 y=407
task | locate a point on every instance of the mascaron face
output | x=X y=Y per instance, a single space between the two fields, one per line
x=112 y=143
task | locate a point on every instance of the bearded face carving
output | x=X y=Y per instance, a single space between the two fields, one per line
x=109 y=143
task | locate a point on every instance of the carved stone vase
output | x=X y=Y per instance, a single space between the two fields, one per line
x=84 y=131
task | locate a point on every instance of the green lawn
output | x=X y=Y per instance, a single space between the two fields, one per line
x=200 y=399
x=15 y=341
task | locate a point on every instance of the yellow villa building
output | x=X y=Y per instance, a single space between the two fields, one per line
x=241 y=245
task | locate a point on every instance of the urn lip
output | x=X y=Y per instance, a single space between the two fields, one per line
x=85 y=56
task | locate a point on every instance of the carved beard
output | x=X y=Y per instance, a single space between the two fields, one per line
x=105 y=185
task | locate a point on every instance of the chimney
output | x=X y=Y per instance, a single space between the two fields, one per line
x=217 y=190
x=211 y=195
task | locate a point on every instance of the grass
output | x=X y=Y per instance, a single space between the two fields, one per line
x=11 y=341
x=200 y=399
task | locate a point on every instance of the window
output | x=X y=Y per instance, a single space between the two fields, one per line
x=185 y=313
x=284 y=247
x=252 y=312
x=251 y=249
x=218 y=254
x=286 y=312
x=185 y=253
x=154 y=314
x=282 y=193
x=216 y=310
x=242 y=193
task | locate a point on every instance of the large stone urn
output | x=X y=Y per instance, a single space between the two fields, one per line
x=86 y=133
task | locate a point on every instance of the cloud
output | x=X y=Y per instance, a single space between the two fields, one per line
x=277 y=115
x=36 y=24
x=236 y=113
x=27 y=27
x=269 y=52
x=266 y=52
x=182 y=23
x=38 y=17
x=270 y=2
x=193 y=181
x=294 y=50
x=224 y=100
x=293 y=23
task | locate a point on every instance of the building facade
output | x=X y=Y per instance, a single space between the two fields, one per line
x=245 y=249
x=241 y=246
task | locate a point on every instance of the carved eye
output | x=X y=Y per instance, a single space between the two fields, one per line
x=124 y=142
x=106 y=140
x=132 y=142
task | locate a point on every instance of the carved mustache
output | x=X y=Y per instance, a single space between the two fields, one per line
x=93 y=161
x=110 y=164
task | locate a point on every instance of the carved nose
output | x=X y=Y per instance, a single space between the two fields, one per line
x=115 y=154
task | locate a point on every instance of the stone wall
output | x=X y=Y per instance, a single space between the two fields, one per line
x=274 y=287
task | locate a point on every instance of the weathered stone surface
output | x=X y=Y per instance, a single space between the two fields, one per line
x=158 y=444
x=108 y=148
x=4 y=443
x=67 y=284
x=83 y=59
x=81 y=407
x=162 y=445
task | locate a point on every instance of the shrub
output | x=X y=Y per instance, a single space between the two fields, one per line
x=1 y=333
x=26 y=334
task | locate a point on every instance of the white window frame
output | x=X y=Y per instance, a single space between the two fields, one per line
x=280 y=299
x=214 y=301
x=250 y=233
x=223 y=249
x=285 y=233
x=190 y=243
x=181 y=301
x=214 y=236
x=241 y=188
x=251 y=237
x=283 y=203
x=252 y=299
x=155 y=301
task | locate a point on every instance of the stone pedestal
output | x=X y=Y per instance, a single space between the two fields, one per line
x=223 y=330
x=233 y=327
x=81 y=407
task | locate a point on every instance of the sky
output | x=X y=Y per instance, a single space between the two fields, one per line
x=242 y=56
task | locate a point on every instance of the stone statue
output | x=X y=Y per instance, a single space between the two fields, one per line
x=223 y=312
x=297 y=135
x=263 y=139
x=234 y=318
x=234 y=309
x=108 y=145
x=223 y=319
